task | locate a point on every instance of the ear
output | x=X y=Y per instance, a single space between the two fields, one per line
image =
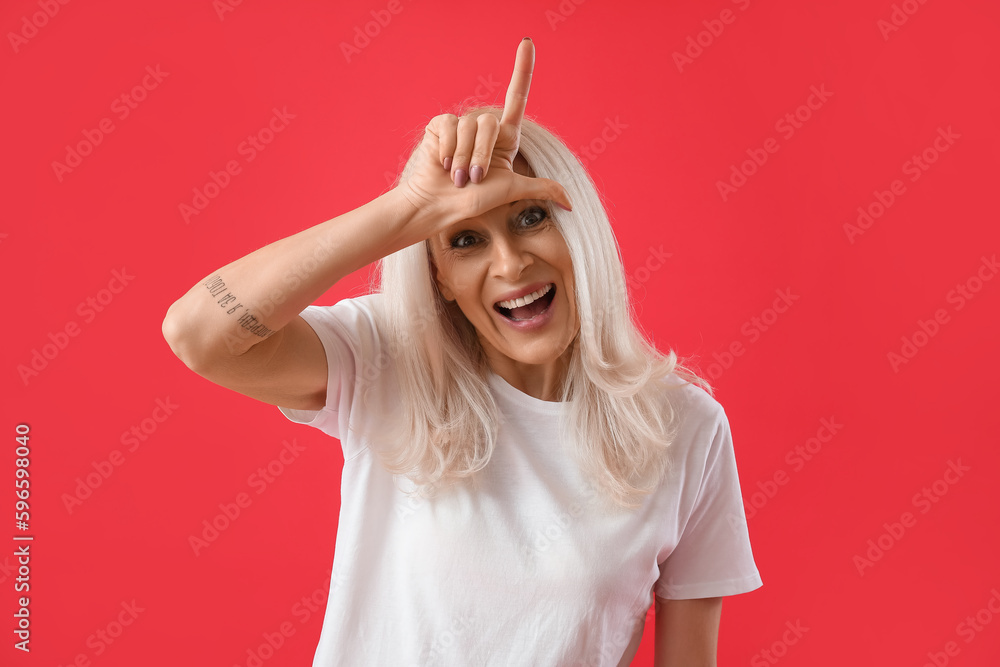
x=441 y=285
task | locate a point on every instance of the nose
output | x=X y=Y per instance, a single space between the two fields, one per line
x=509 y=257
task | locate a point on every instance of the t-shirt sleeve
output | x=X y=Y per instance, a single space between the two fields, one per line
x=349 y=336
x=713 y=557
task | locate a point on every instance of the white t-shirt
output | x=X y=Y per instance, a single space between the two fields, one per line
x=529 y=569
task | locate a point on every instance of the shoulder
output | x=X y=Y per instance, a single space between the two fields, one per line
x=356 y=314
x=692 y=406
x=699 y=428
x=349 y=329
x=365 y=306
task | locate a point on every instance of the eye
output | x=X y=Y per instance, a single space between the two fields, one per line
x=533 y=216
x=463 y=240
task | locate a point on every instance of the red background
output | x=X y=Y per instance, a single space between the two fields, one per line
x=679 y=129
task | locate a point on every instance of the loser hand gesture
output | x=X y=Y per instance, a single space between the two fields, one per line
x=465 y=166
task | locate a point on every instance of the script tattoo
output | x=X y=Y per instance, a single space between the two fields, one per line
x=217 y=288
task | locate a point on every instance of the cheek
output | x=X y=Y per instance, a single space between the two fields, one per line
x=465 y=279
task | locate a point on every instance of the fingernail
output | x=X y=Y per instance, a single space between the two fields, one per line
x=461 y=177
x=527 y=38
x=447 y=163
x=563 y=206
x=476 y=173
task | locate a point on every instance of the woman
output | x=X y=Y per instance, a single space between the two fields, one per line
x=523 y=471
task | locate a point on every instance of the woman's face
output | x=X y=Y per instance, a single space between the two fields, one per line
x=512 y=251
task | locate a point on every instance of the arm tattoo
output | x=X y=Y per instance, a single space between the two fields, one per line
x=217 y=288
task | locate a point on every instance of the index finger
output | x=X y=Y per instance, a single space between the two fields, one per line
x=520 y=82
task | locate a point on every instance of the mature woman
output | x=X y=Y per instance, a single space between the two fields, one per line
x=523 y=471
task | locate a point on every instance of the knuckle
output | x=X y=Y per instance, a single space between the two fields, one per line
x=487 y=121
x=441 y=120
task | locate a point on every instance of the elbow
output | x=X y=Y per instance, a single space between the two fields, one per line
x=178 y=337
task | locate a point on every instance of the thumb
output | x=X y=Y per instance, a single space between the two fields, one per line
x=527 y=187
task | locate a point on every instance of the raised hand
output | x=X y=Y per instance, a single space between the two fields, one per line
x=465 y=166
x=470 y=141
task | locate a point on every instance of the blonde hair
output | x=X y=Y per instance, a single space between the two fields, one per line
x=618 y=416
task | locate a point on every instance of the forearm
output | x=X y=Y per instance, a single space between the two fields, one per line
x=250 y=299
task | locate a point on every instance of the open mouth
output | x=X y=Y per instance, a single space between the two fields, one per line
x=528 y=307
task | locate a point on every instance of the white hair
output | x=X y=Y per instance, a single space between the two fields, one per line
x=620 y=420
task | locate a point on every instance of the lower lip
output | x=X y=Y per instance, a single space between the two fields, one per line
x=537 y=322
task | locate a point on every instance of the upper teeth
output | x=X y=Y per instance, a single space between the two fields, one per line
x=525 y=300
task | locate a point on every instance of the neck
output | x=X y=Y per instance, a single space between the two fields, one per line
x=542 y=381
